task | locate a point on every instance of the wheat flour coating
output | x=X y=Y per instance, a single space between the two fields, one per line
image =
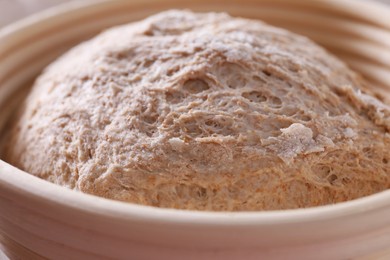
x=207 y=112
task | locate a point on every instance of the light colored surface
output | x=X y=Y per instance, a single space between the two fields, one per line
x=12 y=10
x=63 y=224
x=3 y=256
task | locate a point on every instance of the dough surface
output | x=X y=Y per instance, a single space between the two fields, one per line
x=204 y=111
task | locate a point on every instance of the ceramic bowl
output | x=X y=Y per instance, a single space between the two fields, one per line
x=41 y=220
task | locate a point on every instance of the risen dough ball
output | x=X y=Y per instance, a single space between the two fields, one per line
x=205 y=112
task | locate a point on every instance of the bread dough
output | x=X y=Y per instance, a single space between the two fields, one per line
x=204 y=111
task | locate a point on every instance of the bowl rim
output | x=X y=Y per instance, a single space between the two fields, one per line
x=16 y=181
x=19 y=182
x=374 y=11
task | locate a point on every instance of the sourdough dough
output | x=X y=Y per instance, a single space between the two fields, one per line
x=204 y=111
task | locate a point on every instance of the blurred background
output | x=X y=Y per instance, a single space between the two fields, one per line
x=11 y=10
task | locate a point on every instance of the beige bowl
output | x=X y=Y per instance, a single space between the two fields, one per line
x=39 y=219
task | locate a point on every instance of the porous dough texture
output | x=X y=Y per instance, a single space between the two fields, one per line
x=204 y=111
